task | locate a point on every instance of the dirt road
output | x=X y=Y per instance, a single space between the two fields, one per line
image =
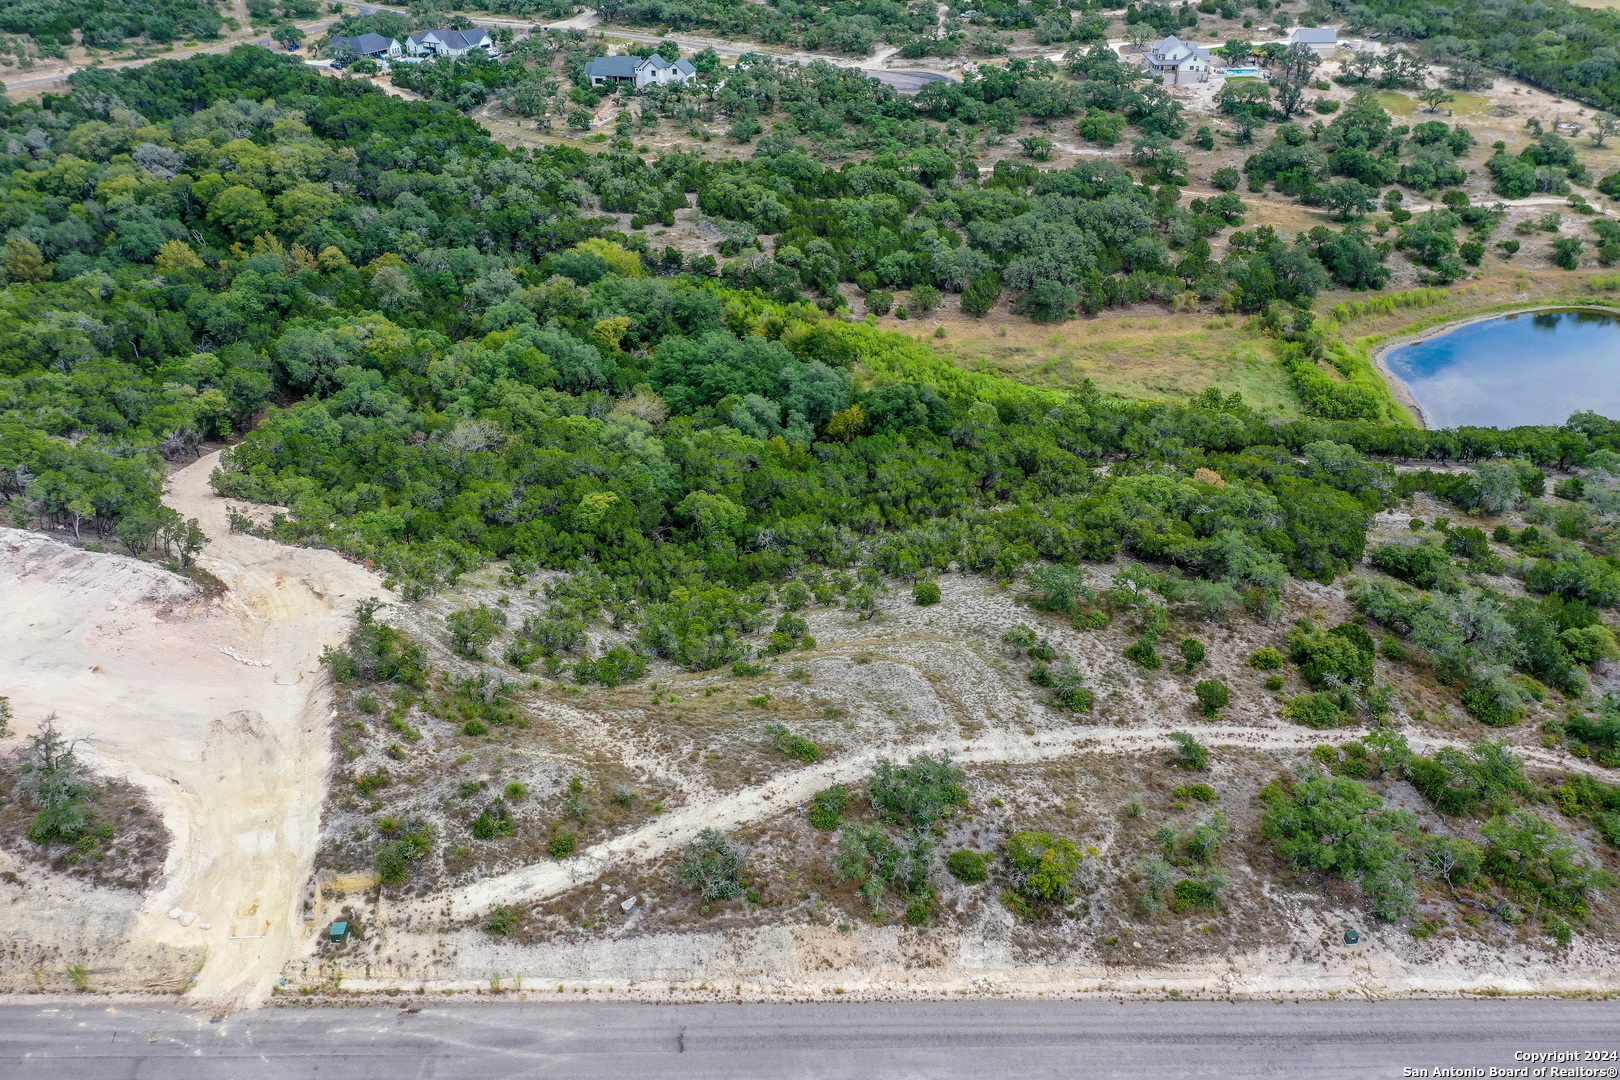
x=216 y=707
x=542 y=880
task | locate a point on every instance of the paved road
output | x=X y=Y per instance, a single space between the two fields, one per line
x=1023 y=1040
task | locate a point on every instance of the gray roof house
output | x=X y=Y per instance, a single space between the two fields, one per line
x=641 y=72
x=451 y=43
x=1322 y=40
x=375 y=46
x=1178 y=62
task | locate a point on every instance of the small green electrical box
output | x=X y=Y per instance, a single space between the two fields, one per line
x=339 y=932
x=1351 y=937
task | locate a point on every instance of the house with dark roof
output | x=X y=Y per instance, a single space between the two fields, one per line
x=640 y=72
x=1178 y=62
x=375 y=46
x=450 y=43
x=1322 y=40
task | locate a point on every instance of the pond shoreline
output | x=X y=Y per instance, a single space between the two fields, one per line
x=1397 y=385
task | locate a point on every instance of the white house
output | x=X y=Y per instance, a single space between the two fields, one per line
x=1321 y=40
x=375 y=46
x=1178 y=62
x=642 y=73
x=451 y=43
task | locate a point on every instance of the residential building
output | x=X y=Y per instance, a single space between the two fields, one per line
x=1322 y=40
x=375 y=46
x=450 y=43
x=1178 y=62
x=640 y=72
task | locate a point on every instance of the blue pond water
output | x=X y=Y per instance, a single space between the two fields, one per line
x=1531 y=368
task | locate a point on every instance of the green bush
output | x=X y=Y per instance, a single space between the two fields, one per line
x=1201 y=792
x=792 y=745
x=1043 y=868
x=1191 y=754
x=967 y=866
x=617 y=665
x=1324 y=710
x=827 y=807
x=500 y=921
x=921 y=792
x=1190 y=893
x=1589 y=644
x=1266 y=660
x=712 y=866
x=1342 y=656
x=1144 y=654
x=495 y=820
x=1213 y=696
x=393 y=862
x=1192 y=652
x=377 y=653
x=1334 y=825
x=884 y=864
x=1457 y=781
x=561 y=845
x=472 y=629
x=925 y=593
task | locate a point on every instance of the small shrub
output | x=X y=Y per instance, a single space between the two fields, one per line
x=827 y=807
x=1093 y=620
x=1213 y=696
x=1266 y=660
x=1201 y=792
x=922 y=791
x=1144 y=654
x=1020 y=637
x=494 y=821
x=500 y=921
x=1275 y=682
x=1043 y=868
x=712 y=866
x=1324 y=710
x=747 y=669
x=918 y=912
x=968 y=867
x=562 y=845
x=792 y=745
x=1191 y=754
x=925 y=593
x=472 y=629
x=1192 y=652
x=1190 y=893
x=516 y=791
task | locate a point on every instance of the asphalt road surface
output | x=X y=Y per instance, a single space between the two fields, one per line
x=937 y=1041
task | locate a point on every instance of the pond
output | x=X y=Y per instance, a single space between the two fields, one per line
x=1528 y=368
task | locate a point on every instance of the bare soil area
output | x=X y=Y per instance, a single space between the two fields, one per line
x=215 y=707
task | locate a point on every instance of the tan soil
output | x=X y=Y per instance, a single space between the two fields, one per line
x=216 y=708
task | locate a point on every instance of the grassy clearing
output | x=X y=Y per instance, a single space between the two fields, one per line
x=1142 y=355
x=1399 y=104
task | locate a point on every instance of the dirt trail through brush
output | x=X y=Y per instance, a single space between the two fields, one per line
x=216 y=707
x=679 y=827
